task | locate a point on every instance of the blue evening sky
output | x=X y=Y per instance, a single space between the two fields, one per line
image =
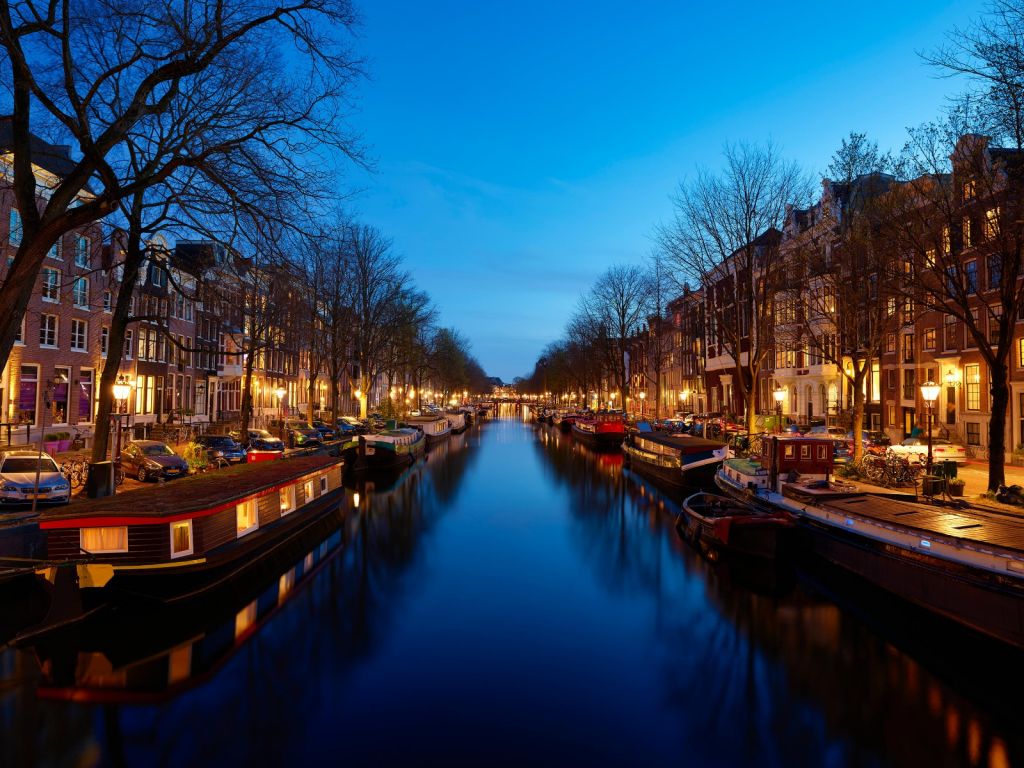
x=522 y=148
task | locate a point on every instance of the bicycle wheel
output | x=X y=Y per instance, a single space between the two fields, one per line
x=118 y=476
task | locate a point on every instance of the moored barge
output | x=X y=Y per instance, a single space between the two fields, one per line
x=964 y=564
x=383 y=451
x=717 y=523
x=175 y=544
x=680 y=460
x=435 y=428
x=600 y=430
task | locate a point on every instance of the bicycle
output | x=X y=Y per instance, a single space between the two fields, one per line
x=75 y=471
x=78 y=443
x=118 y=472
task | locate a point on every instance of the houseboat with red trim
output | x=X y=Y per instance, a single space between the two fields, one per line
x=177 y=543
x=605 y=429
x=961 y=563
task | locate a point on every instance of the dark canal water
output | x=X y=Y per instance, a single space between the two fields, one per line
x=515 y=599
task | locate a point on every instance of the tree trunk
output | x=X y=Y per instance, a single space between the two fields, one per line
x=311 y=392
x=751 y=406
x=246 y=414
x=997 y=427
x=858 y=417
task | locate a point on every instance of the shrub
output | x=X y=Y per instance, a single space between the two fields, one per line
x=196 y=456
x=51 y=437
x=956 y=482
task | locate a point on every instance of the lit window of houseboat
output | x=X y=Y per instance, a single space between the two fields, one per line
x=245 y=514
x=308 y=488
x=98 y=540
x=181 y=538
x=287 y=499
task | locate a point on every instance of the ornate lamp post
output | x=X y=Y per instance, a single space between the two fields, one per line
x=643 y=397
x=779 y=395
x=929 y=393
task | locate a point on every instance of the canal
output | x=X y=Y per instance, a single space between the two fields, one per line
x=514 y=599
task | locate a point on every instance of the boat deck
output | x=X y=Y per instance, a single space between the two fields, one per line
x=997 y=529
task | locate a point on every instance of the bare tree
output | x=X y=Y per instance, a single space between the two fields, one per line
x=841 y=305
x=95 y=72
x=612 y=311
x=724 y=236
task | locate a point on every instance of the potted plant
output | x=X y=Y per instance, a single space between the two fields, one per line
x=955 y=486
x=1017 y=457
x=51 y=442
x=64 y=440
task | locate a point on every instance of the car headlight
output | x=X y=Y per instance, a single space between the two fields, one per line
x=218 y=454
x=62 y=485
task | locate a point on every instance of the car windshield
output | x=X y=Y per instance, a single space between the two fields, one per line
x=299 y=425
x=220 y=441
x=260 y=434
x=28 y=464
x=157 y=450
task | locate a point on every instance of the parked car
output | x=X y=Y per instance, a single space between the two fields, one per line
x=297 y=433
x=222 y=447
x=822 y=431
x=874 y=442
x=262 y=440
x=151 y=459
x=18 y=479
x=841 y=452
x=327 y=432
x=350 y=425
x=916 y=449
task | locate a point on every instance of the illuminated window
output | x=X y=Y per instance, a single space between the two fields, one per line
x=1020 y=352
x=805 y=451
x=245 y=517
x=991 y=223
x=181 y=538
x=287 y=499
x=308 y=489
x=929 y=339
x=892 y=415
x=972 y=376
x=100 y=540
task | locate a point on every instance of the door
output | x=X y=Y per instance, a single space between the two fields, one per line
x=909 y=421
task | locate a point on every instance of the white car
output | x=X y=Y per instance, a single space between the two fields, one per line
x=916 y=449
x=18 y=479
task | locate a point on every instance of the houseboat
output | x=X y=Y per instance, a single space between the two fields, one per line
x=385 y=450
x=457 y=421
x=718 y=523
x=174 y=544
x=964 y=564
x=677 y=459
x=600 y=430
x=434 y=427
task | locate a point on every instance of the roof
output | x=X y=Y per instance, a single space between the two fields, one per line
x=55 y=158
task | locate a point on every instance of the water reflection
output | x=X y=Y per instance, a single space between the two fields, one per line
x=510 y=598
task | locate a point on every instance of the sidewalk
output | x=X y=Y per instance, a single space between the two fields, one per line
x=975 y=476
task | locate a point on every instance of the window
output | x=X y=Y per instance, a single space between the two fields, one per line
x=994 y=319
x=949 y=332
x=85 y=389
x=971 y=276
x=80 y=335
x=892 y=415
x=946 y=242
x=19 y=337
x=890 y=378
x=929 y=257
x=99 y=540
x=970 y=189
x=245 y=517
x=991 y=223
x=181 y=538
x=128 y=344
x=323 y=484
x=908 y=348
x=108 y=301
x=1020 y=352
x=51 y=284
x=287 y=500
x=968 y=233
x=307 y=489
x=15 y=232
x=972 y=376
x=56 y=251
x=890 y=342
x=104 y=340
x=48 y=330
x=929 y=339
x=973 y=433
x=28 y=394
x=80 y=292
x=82 y=249
x=890 y=306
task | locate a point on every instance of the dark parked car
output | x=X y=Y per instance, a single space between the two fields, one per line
x=841 y=453
x=297 y=433
x=222 y=447
x=327 y=432
x=874 y=442
x=151 y=459
x=350 y=425
x=262 y=440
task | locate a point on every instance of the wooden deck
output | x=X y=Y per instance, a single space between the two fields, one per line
x=980 y=527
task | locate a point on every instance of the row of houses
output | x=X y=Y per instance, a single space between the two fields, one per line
x=183 y=357
x=809 y=346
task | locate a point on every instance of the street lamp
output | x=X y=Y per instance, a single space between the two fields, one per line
x=642 y=396
x=280 y=392
x=779 y=395
x=122 y=391
x=929 y=393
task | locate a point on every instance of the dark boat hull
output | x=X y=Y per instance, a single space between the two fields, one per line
x=767 y=540
x=695 y=477
x=981 y=601
x=602 y=440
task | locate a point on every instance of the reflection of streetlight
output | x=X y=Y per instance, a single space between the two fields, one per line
x=779 y=395
x=929 y=393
